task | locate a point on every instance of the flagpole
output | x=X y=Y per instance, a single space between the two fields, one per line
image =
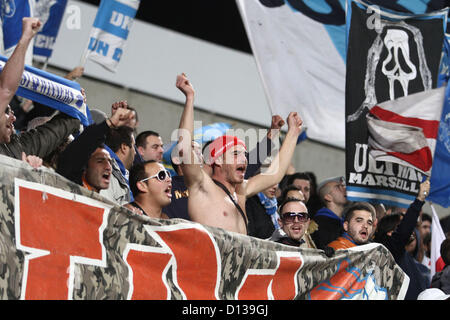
x=44 y=67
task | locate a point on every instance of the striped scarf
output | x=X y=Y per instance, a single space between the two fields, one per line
x=270 y=204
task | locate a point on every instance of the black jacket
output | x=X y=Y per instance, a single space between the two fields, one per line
x=441 y=280
x=396 y=244
x=73 y=160
x=260 y=224
x=43 y=140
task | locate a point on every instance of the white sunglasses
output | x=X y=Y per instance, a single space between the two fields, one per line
x=162 y=175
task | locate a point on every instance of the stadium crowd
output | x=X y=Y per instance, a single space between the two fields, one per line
x=219 y=184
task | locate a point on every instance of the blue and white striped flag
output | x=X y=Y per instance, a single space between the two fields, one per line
x=110 y=32
x=53 y=91
x=50 y=13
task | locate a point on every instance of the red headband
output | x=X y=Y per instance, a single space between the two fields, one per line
x=221 y=144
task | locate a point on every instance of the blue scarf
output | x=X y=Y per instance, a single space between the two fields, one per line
x=270 y=204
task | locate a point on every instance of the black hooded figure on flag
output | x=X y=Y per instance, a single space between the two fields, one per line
x=392 y=105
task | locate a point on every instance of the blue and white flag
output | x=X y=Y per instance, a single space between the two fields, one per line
x=440 y=172
x=53 y=91
x=12 y=13
x=110 y=32
x=50 y=13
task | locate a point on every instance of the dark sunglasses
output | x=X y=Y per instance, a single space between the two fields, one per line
x=162 y=175
x=289 y=217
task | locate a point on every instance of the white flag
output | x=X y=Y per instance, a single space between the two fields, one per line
x=300 y=65
x=110 y=32
x=437 y=237
x=405 y=130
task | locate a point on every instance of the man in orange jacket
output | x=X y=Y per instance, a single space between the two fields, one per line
x=359 y=224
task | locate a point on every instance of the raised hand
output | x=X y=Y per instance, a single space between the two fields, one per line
x=119 y=104
x=276 y=125
x=30 y=26
x=76 y=73
x=184 y=85
x=294 y=123
x=120 y=116
x=424 y=190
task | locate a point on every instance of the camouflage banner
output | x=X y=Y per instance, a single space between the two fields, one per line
x=61 y=241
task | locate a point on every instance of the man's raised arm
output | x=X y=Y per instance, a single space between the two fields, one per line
x=190 y=163
x=13 y=69
x=281 y=162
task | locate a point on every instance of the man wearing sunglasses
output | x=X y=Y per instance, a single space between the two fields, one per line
x=294 y=222
x=151 y=185
x=219 y=201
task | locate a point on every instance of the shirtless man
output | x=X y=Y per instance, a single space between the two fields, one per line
x=208 y=203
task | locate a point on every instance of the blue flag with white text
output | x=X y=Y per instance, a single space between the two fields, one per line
x=53 y=91
x=50 y=13
x=12 y=12
x=110 y=32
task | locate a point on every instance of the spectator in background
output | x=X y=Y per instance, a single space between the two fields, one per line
x=302 y=181
x=262 y=213
x=441 y=280
x=415 y=248
x=426 y=261
x=314 y=203
x=330 y=218
x=150 y=146
x=120 y=145
x=291 y=191
x=151 y=185
x=380 y=210
x=425 y=224
x=395 y=233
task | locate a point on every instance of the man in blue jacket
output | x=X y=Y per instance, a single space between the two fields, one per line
x=332 y=193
